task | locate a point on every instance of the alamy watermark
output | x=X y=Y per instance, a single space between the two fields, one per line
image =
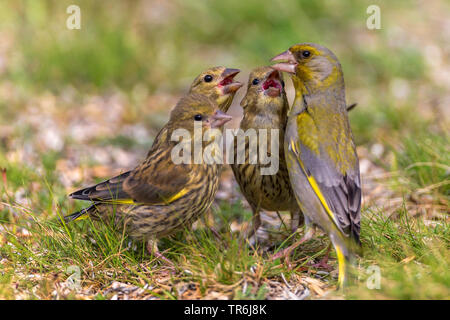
x=206 y=147
x=374 y=20
x=73 y=282
x=74 y=19
x=374 y=279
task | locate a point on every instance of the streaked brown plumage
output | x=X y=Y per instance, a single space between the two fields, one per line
x=158 y=197
x=216 y=83
x=265 y=107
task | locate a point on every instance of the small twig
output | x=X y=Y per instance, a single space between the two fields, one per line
x=284 y=279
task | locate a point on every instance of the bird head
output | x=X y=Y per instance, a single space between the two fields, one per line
x=218 y=84
x=198 y=108
x=265 y=85
x=311 y=65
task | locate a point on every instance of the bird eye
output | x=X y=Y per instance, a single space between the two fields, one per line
x=198 y=117
x=208 y=78
x=282 y=83
x=306 y=54
x=255 y=82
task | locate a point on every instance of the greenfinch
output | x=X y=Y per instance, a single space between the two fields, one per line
x=216 y=83
x=159 y=197
x=265 y=107
x=320 y=152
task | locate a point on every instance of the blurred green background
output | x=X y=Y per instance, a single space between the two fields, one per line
x=159 y=46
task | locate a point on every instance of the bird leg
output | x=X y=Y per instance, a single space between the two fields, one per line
x=286 y=253
x=250 y=234
x=152 y=248
x=323 y=263
x=255 y=224
x=208 y=221
x=295 y=220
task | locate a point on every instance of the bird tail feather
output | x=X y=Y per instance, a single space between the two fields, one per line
x=342 y=261
x=346 y=252
x=79 y=215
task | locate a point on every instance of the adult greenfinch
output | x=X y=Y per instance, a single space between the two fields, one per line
x=320 y=152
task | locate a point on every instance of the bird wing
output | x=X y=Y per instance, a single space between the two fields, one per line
x=337 y=185
x=160 y=138
x=159 y=181
x=106 y=190
x=156 y=181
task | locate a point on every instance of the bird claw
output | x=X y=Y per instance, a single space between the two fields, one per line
x=152 y=249
x=286 y=253
x=322 y=264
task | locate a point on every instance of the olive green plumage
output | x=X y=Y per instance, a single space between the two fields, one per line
x=320 y=152
x=159 y=197
x=265 y=107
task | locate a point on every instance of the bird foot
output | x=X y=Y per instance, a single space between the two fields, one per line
x=152 y=249
x=281 y=254
x=322 y=264
x=249 y=236
x=286 y=253
x=160 y=256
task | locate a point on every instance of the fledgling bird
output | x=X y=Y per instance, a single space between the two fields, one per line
x=320 y=152
x=265 y=107
x=216 y=83
x=159 y=197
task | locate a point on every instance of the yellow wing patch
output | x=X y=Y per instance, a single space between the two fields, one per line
x=121 y=201
x=132 y=202
x=82 y=217
x=177 y=196
x=314 y=185
x=319 y=194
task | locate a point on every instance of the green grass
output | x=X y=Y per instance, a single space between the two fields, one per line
x=425 y=159
x=413 y=259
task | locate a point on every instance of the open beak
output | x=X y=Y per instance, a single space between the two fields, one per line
x=288 y=66
x=274 y=75
x=228 y=84
x=219 y=118
x=272 y=86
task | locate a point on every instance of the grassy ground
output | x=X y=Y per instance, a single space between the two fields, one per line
x=80 y=106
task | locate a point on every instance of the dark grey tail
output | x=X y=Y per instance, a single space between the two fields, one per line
x=79 y=214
